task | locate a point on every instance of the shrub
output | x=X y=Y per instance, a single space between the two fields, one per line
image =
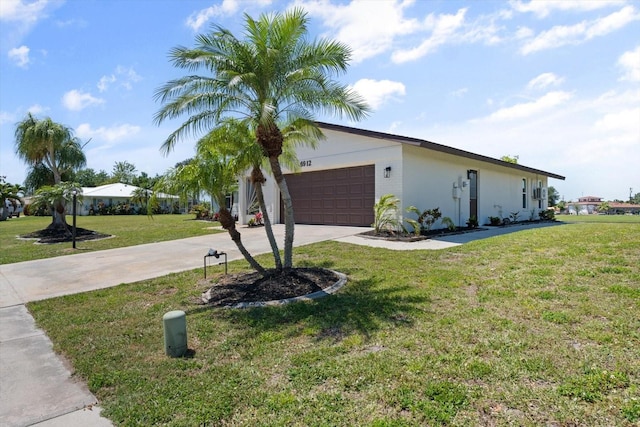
x=200 y=211
x=385 y=214
x=494 y=220
x=425 y=220
x=448 y=222
x=547 y=215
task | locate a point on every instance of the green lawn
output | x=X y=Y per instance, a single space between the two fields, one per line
x=614 y=219
x=538 y=327
x=128 y=230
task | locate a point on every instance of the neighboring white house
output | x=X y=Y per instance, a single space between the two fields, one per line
x=340 y=181
x=112 y=195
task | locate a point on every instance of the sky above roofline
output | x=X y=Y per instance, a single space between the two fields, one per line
x=556 y=83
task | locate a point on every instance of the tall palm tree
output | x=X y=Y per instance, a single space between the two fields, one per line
x=45 y=143
x=272 y=76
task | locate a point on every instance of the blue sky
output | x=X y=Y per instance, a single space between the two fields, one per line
x=556 y=83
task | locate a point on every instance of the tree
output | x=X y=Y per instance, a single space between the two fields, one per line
x=9 y=192
x=635 y=199
x=552 y=196
x=46 y=145
x=142 y=196
x=55 y=197
x=90 y=178
x=123 y=172
x=604 y=207
x=233 y=139
x=510 y=159
x=272 y=76
x=144 y=180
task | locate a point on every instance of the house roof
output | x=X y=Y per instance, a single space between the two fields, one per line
x=116 y=190
x=436 y=147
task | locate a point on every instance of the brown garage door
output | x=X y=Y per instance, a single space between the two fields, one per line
x=334 y=197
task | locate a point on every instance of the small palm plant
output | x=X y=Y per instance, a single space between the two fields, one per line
x=386 y=214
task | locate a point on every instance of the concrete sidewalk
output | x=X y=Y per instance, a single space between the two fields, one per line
x=36 y=387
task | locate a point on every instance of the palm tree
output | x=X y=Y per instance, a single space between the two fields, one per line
x=55 y=197
x=10 y=192
x=46 y=145
x=212 y=172
x=123 y=172
x=233 y=139
x=141 y=196
x=275 y=75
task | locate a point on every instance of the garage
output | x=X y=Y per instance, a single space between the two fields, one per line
x=334 y=197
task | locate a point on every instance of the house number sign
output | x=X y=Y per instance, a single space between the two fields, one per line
x=304 y=163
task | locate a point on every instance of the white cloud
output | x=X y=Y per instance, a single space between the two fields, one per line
x=621 y=121
x=20 y=56
x=544 y=80
x=75 y=100
x=105 y=81
x=528 y=109
x=108 y=134
x=37 y=109
x=20 y=16
x=125 y=76
x=443 y=27
x=542 y=8
x=6 y=117
x=561 y=35
x=630 y=64
x=18 y=10
x=368 y=30
x=524 y=33
x=377 y=92
x=459 y=93
x=228 y=7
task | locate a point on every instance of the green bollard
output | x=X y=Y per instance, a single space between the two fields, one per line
x=175 y=333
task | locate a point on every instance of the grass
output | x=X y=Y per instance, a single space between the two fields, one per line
x=613 y=219
x=530 y=328
x=128 y=230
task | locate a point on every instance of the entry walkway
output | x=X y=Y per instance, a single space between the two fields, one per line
x=37 y=388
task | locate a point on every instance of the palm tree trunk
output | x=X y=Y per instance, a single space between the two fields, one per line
x=229 y=224
x=59 y=217
x=288 y=210
x=258 y=179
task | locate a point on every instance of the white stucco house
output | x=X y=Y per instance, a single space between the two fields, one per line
x=340 y=181
x=112 y=195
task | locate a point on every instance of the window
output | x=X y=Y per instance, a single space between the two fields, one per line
x=524 y=193
x=540 y=195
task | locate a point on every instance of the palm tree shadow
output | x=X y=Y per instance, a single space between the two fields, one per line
x=362 y=307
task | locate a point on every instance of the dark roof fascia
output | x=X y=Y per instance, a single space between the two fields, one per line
x=435 y=147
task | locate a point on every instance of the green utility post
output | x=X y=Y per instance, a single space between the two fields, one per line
x=175 y=333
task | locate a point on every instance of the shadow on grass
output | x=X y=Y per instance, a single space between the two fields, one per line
x=362 y=306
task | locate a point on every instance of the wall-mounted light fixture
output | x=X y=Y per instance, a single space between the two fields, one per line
x=387 y=172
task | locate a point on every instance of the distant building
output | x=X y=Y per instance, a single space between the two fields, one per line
x=589 y=205
x=114 y=194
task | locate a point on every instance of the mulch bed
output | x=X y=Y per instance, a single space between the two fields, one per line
x=50 y=236
x=400 y=237
x=233 y=289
